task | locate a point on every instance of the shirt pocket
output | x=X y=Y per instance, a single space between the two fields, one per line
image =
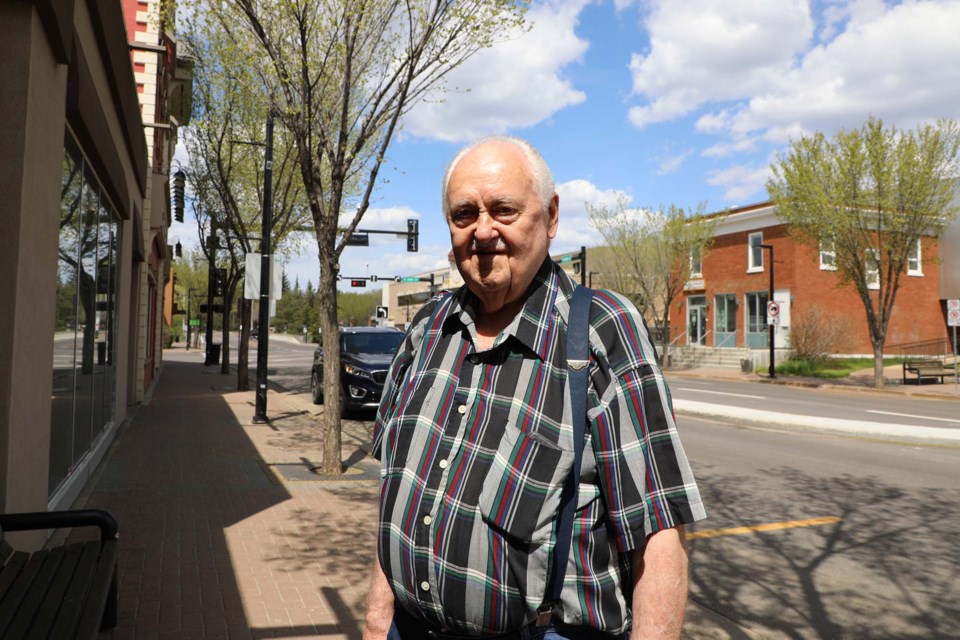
x=521 y=493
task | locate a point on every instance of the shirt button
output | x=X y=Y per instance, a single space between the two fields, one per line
x=425 y=585
x=443 y=464
x=427 y=519
x=462 y=409
x=474 y=359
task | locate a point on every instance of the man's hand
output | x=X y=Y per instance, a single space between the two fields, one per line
x=379 y=606
x=660 y=585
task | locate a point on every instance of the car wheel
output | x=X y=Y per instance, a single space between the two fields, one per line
x=316 y=388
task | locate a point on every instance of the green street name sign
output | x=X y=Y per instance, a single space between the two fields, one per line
x=410 y=279
x=194 y=322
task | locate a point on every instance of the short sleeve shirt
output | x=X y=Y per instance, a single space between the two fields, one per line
x=475 y=447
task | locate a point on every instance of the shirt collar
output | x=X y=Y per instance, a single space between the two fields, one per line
x=547 y=298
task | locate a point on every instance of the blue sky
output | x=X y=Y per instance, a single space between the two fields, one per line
x=669 y=102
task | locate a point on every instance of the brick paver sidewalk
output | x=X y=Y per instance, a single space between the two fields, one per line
x=214 y=542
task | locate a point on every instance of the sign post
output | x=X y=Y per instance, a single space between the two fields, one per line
x=953 y=320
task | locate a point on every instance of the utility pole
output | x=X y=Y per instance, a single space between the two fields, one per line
x=266 y=257
x=211 y=277
x=773 y=365
x=189 y=316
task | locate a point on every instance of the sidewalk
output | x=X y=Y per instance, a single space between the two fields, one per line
x=215 y=542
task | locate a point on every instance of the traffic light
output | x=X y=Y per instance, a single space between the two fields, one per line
x=413 y=234
x=359 y=282
x=373 y=278
x=219 y=281
x=179 y=182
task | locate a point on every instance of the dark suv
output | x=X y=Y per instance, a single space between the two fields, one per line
x=365 y=356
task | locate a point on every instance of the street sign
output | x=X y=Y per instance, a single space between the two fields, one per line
x=382 y=312
x=953 y=313
x=773 y=313
x=194 y=322
x=410 y=279
x=358 y=240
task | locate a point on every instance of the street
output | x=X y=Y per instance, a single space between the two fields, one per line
x=810 y=535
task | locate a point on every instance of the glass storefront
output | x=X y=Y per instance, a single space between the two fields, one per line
x=84 y=350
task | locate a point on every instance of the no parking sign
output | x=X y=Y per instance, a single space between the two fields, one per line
x=773 y=313
x=953 y=313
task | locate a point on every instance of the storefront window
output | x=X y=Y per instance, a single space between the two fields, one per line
x=83 y=370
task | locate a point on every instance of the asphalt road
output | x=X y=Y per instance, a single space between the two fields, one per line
x=816 y=536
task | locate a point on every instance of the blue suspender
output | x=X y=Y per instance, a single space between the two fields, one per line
x=578 y=359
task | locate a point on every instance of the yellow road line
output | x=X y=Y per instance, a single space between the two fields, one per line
x=770 y=526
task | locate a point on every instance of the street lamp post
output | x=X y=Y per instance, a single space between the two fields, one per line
x=189 y=297
x=260 y=411
x=211 y=277
x=773 y=365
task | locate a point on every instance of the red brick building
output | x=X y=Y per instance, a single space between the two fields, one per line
x=725 y=304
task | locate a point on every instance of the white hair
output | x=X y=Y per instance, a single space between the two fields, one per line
x=539 y=171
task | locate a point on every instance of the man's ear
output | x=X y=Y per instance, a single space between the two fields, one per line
x=553 y=215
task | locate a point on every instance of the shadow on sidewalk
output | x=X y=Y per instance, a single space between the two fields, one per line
x=213 y=545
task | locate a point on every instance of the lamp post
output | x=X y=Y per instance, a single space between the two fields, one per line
x=260 y=410
x=189 y=297
x=773 y=365
x=211 y=286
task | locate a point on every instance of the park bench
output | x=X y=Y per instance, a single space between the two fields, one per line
x=61 y=591
x=926 y=369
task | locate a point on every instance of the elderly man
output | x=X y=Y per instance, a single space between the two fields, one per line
x=475 y=441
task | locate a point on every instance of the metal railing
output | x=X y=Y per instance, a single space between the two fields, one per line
x=940 y=349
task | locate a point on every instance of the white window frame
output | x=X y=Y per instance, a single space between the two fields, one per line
x=828 y=250
x=873 y=274
x=915 y=262
x=752 y=266
x=696 y=263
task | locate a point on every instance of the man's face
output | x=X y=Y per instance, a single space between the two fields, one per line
x=499 y=231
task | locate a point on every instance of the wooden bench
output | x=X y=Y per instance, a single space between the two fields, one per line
x=64 y=591
x=926 y=369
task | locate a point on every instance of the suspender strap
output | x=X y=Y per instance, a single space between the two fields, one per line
x=578 y=359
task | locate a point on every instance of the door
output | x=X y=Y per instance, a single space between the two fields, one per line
x=697 y=320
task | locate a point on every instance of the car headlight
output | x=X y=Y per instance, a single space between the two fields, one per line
x=357 y=371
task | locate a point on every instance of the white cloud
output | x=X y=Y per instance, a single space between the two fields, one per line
x=739 y=182
x=514 y=84
x=671 y=163
x=575 y=229
x=771 y=80
x=714 y=50
x=902 y=65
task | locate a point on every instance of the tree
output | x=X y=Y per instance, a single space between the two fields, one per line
x=226 y=170
x=872 y=194
x=649 y=254
x=341 y=74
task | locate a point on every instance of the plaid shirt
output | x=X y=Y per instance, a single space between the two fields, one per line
x=475 y=447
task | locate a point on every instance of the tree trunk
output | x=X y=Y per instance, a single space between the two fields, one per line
x=243 y=349
x=878 y=364
x=330 y=334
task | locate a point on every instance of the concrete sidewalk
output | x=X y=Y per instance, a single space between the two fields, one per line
x=224 y=530
x=860 y=382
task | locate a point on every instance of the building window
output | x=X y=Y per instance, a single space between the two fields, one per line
x=755 y=252
x=873 y=269
x=725 y=320
x=696 y=263
x=84 y=349
x=914 y=265
x=828 y=255
x=756 y=313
